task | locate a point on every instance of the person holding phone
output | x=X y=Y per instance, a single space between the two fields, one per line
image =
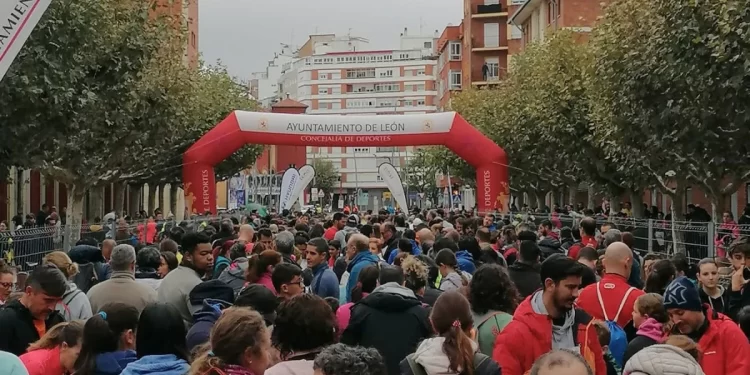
x=739 y=296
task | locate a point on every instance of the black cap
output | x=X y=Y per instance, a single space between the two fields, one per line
x=352 y=221
x=261 y=299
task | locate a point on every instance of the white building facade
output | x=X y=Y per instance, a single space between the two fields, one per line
x=341 y=77
x=264 y=86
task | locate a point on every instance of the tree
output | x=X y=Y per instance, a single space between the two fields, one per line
x=326 y=175
x=670 y=89
x=71 y=103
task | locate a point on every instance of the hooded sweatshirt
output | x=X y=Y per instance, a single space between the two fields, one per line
x=11 y=365
x=74 y=304
x=167 y=364
x=466 y=262
x=651 y=332
x=432 y=358
x=234 y=275
x=719 y=304
x=203 y=320
x=562 y=335
x=662 y=360
x=113 y=363
x=451 y=281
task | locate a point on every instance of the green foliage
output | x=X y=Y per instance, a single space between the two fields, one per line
x=326 y=175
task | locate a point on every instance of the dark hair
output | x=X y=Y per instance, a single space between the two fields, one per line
x=338 y=216
x=161 y=331
x=366 y=230
x=301 y=238
x=546 y=223
x=238 y=250
x=148 y=258
x=483 y=234
x=588 y=226
x=391 y=274
x=48 y=279
x=336 y=244
x=662 y=273
x=410 y=234
x=492 y=289
x=340 y=359
x=445 y=243
x=529 y=251
x=236 y=330
x=682 y=264
x=102 y=334
x=451 y=317
x=446 y=257
x=367 y=281
x=283 y=273
x=317 y=231
x=333 y=303
x=190 y=241
x=404 y=245
x=743 y=318
x=258 y=264
x=169 y=245
x=304 y=322
x=558 y=267
x=527 y=235
x=432 y=269
x=588 y=253
x=265 y=232
x=469 y=244
x=170 y=258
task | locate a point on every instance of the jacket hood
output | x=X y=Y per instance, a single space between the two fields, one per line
x=550 y=241
x=113 y=363
x=362 y=256
x=662 y=359
x=391 y=297
x=432 y=358
x=230 y=274
x=464 y=254
x=158 y=364
x=85 y=254
x=528 y=316
x=70 y=289
x=561 y=334
x=652 y=329
x=453 y=278
x=210 y=311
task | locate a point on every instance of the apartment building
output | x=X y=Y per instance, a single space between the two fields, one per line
x=537 y=17
x=449 y=75
x=339 y=75
x=264 y=85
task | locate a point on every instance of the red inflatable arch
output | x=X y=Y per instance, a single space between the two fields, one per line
x=447 y=128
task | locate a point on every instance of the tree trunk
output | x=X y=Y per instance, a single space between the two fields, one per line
x=173 y=199
x=572 y=192
x=636 y=203
x=160 y=198
x=19 y=191
x=72 y=234
x=151 y=199
x=119 y=195
x=718 y=206
x=134 y=193
x=678 y=236
x=96 y=202
x=591 y=197
x=614 y=205
x=539 y=195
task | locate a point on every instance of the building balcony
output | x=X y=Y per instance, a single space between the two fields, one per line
x=490 y=11
x=490 y=81
x=491 y=48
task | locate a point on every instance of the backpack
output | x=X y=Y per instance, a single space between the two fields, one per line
x=417 y=369
x=86 y=277
x=66 y=301
x=486 y=333
x=618 y=341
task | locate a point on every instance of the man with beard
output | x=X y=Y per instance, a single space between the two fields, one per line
x=197 y=261
x=546 y=321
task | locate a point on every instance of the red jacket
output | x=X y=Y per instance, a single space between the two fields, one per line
x=725 y=348
x=613 y=290
x=529 y=336
x=585 y=241
x=43 y=362
x=330 y=233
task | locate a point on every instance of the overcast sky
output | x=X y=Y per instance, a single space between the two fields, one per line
x=244 y=34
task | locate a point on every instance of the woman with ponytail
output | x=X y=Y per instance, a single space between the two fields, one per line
x=56 y=352
x=239 y=345
x=74 y=304
x=108 y=341
x=367 y=281
x=453 y=351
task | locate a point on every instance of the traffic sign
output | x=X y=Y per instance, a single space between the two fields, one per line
x=321 y=194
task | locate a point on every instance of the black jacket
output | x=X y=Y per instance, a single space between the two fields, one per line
x=430 y=296
x=17 y=329
x=391 y=245
x=390 y=319
x=526 y=278
x=636 y=345
x=550 y=246
x=719 y=304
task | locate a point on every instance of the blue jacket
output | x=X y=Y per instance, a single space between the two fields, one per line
x=167 y=364
x=324 y=283
x=361 y=260
x=11 y=365
x=113 y=363
x=203 y=320
x=415 y=250
x=466 y=262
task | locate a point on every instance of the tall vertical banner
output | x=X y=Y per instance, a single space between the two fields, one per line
x=289 y=181
x=390 y=175
x=17 y=18
x=306 y=175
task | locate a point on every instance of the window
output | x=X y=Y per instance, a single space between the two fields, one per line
x=517 y=2
x=493 y=68
x=336 y=105
x=491 y=35
x=553 y=11
x=323 y=76
x=455 y=51
x=427 y=44
x=455 y=77
x=385 y=149
x=419 y=87
x=360 y=73
x=362 y=150
x=515 y=32
x=491 y=2
x=420 y=102
x=386 y=73
x=420 y=72
x=322 y=91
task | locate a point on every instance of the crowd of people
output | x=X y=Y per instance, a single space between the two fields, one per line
x=431 y=292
